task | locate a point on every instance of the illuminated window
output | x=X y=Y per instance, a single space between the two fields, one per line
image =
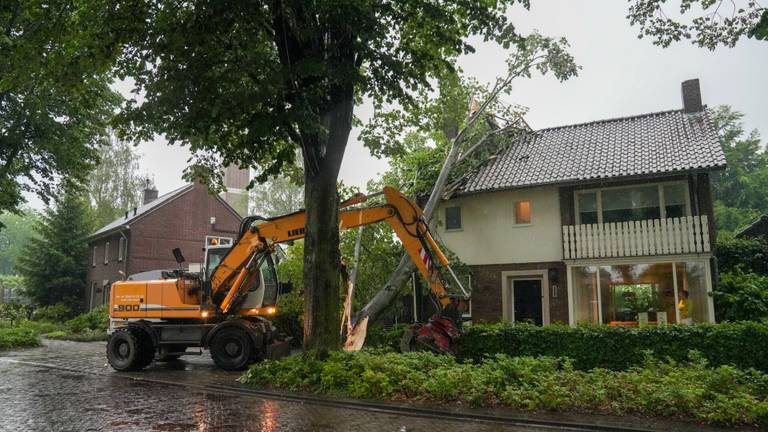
x=452 y=218
x=523 y=212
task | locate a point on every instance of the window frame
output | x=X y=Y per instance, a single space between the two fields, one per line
x=106 y=253
x=93 y=260
x=121 y=249
x=219 y=238
x=659 y=191
x=514 y=213
x=461 y=222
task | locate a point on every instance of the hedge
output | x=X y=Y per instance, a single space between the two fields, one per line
x=744 y=345
x=691 y=390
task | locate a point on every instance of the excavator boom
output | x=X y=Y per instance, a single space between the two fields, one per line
x=232 y=277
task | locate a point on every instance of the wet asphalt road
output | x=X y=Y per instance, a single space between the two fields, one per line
x=87 y=395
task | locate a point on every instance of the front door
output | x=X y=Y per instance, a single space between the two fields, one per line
x=527 y=300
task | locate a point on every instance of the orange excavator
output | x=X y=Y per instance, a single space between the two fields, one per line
x=227 y=306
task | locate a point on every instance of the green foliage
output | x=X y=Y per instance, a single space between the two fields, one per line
x=741 y=191
x=15 y=233
x=55 y=262
x=86 y=335
x=690 y=389
x=56 y=313
x=388 y=338
x=741 y=296
x=97 y=320
x=13 y=313
x=55 y=98
x=739 y=253
x=18 y=336
x=290 y=316
x=115 y=185
x=743 y=345
x=707 y=27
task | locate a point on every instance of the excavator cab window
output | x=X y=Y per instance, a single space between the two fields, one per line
x=271 y=283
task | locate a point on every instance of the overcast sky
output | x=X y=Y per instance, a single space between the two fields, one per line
x=621 y=75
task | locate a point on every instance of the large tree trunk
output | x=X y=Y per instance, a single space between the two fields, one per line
x=322 y=160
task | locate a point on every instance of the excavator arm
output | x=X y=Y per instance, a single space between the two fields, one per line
x=232 y=277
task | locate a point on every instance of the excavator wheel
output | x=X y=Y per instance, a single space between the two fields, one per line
x=231 y=349
x=129 y=349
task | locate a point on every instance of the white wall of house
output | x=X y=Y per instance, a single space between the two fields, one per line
x=489 y=234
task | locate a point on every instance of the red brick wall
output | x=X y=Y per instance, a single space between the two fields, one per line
x=486 y=290
x=183 y=222
x=100 y=272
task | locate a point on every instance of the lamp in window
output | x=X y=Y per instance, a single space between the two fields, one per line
x=523 y=212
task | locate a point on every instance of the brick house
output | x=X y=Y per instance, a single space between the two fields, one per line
x=142 y=239
x=602 y=222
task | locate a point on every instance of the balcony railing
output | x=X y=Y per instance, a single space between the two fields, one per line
x=684 y=235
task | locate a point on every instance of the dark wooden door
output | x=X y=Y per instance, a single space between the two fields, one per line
x=527 y=295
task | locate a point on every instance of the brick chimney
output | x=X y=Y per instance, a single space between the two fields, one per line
x=150 y=194
x=691 y=96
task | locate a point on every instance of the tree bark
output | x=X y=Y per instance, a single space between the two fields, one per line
x=321 y=241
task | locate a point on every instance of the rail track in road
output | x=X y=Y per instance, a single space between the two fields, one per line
x=475 y=416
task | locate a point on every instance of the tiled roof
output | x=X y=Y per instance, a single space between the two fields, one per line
x=141 y=211
x=648 y=144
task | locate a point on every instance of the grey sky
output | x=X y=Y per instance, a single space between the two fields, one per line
x=621 y=76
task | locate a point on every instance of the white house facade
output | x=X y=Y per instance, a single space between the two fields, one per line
x=604 y=222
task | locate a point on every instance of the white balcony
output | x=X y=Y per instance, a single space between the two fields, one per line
x=685 y=235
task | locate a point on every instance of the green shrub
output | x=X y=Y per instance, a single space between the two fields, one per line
x=54 y=313
x=13 y=312
x=290 y=316
x=749 y=255
x=20 y=336
x=690 y=389
x=744 y=345
x=96 y=319
x=741 y=296
x=381 y=337
x=87 y=335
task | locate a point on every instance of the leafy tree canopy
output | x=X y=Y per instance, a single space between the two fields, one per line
x=115 y=185
x=54 y=262
x=16 y=234
x=54 y=98
x=741 y=191
x=707 y=23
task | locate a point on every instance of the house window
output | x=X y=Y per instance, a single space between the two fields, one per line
x=105 y=290
x=674 y=200
x=220 y=241
x=452 y=218
x=106 y=253
x=94 y=257
x=587 y=205
x=522 y=212
x=121 y=249
x=92 y=295
x=641 y=294
x=631 y=203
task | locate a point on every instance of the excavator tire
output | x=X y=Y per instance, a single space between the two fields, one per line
x=231 y=349
x=126 y=350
